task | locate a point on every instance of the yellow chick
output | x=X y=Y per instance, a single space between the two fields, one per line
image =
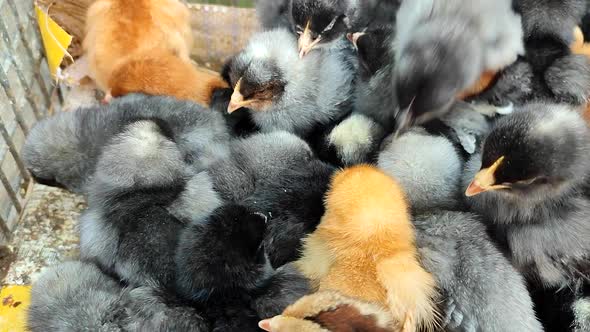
x=364 y=247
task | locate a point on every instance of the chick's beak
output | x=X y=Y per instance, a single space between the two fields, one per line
x=354 y=37
x=306 y=42
x=237 y=99
x=485 y=180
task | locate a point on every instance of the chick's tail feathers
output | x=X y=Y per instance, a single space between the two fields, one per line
x=411 y=292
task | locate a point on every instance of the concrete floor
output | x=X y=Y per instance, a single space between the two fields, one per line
x=47 y=234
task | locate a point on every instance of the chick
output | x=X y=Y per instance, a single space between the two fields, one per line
x=548 y=72
x=331 y=311
x=482 y=291
x=283 y=92
x=237 y=281
x=273 y=14
x=129 y=204
x=357 y=138
x=364 y=247
x=428 y=161
x=117 y=29
x=434 y=38
x=428 y=167
x=549 y=21
x=76 y=296
x=531 y=188
x=63 y=149
x=152 y=309
x=276 y=173
x=321 y=23
x=163 y=73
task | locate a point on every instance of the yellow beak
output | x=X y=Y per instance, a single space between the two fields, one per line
x=237 y=99
x=306 y=43
x=485 y=180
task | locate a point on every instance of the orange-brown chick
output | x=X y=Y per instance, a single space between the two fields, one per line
x=162 y=73
x=117 y=29
x=331 y=311
x=364 y=247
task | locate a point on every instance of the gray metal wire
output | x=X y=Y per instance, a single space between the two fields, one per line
x=25 y=96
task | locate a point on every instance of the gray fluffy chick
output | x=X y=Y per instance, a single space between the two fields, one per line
x=531 y=188
x=483 y=292
x=428 y=167
x=136 y=213
x=433 y=41
x=273 y=14
x=63 y=149
x=283 y=92
x=428 y=161
x=77 y=296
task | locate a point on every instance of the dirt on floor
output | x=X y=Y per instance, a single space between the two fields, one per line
x=47 y=234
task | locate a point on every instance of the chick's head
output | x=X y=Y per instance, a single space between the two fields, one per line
x=373 y=47
x=227 y=250
x=318 y=23
x=538 y=152
x=257 y=85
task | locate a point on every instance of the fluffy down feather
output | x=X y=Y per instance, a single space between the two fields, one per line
x=129 y=203
x=162 y=73
x=63 y=149
x=364 y=247
x=432 y=45
x=456 y=249
x=235 y=283
x=277 y=174
x=116 y=29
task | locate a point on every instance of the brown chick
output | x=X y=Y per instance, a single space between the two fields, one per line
x=162 y=73
x=364 y=247
x=331 y=311
x=117 y=29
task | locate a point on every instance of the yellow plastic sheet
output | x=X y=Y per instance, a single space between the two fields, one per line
x=55 y=40
x=14 y=301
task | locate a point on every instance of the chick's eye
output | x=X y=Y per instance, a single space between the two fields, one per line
x=299 y=30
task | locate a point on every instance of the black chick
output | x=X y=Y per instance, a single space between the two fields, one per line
x=532 y=189
x=278 y=174
x=548 y=71
x=136 y=212
x=320 y=23
x=357 y=138
x=221 y=264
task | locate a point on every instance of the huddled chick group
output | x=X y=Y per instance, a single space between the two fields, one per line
x=377 y=165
